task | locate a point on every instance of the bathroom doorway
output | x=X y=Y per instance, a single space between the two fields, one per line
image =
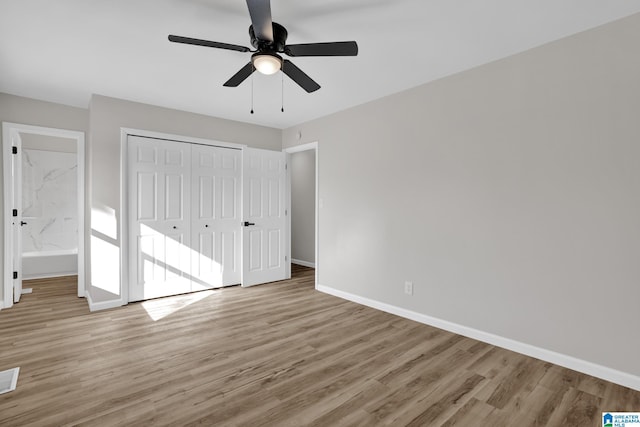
x=44 y=195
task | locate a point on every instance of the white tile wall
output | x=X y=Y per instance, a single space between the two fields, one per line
x=49 y=201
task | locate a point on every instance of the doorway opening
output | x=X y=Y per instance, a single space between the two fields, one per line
x=44 y=197
x=304 y=205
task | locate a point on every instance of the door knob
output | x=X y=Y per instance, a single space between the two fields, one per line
x=23 y=223
x=175 y=227
x=247 y=223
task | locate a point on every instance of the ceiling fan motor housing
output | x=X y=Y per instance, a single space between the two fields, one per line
x=279 y=39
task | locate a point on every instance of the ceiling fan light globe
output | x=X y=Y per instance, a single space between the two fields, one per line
x=267 y=64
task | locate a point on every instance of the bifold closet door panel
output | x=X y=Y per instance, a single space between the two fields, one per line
x=159 y=177
x=215 y=216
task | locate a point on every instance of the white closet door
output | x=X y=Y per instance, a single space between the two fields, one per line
x=159 y=218
x=264 y=216
x=216 y=217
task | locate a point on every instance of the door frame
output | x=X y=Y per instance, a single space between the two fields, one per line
x=9 y=130
x=289 y=151
x=123 y=215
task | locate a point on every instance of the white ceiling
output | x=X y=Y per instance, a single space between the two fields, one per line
x=65 y=50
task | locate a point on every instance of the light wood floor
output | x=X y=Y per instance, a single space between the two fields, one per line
x=277 y=354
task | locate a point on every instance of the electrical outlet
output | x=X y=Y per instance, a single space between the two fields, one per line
x=408 y=288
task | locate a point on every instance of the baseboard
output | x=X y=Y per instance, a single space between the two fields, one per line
x=49 y=275
x=589 y=368
x=303 y=263
x=102 y=305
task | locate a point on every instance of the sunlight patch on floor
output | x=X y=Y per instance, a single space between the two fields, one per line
x=162 y=307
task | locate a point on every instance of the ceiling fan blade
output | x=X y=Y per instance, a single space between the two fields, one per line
x=240 y=76
x=260 y=11
x=322 y=49
x=299 y=76
x=207 y=43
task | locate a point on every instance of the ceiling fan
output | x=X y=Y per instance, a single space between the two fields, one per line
x=269 y=39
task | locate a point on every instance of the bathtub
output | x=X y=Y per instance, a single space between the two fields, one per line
x=37 y=265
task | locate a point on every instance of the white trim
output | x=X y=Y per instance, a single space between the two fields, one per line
x=82 y=209
x=123 y=215
x=13 y=372
x=49 y=276
x=287 y=228
x=177 y=138
x=589 y=368
x=302 y=147
x=297 y=149
x=7 y=291
x=57 y=252
x=97 y=306
x=7 y=129
x=317 y=230
x=303 y=263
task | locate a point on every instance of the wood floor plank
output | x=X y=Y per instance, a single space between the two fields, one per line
x=354 y=402
x=526 y=372
x=449 y=399
x=410 y=393
x=278 y=354
x=471 y=413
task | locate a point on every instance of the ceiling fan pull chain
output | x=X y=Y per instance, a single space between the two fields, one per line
x=282 y=80
x=251 y=93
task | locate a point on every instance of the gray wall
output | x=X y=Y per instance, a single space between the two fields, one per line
x=509 y=194
x=16 y=109
x=107 y=116
x=303 y=206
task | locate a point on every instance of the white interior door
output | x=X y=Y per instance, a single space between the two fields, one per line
x=16 y=226
x=264 y=216
x=216 y=216
x=159 y=204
